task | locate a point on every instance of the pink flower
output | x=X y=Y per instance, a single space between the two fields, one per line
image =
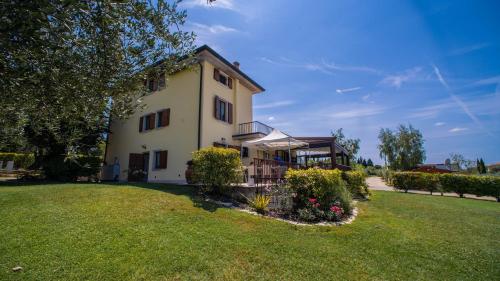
x=312 y=200
x=316 y=205
x=336 y=209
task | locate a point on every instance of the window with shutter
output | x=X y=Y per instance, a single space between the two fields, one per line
x=230 y=113
x=161 y=81
x=163 y=118
x=161 y=159
x=230 y=82
x=216 y=74
x=216 y=108
x=141 y=123
x=151 y=85
x=222 y=110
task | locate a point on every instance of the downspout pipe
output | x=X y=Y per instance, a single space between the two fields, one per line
x=200 y=104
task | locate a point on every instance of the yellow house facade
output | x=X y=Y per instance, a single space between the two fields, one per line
x=195 y=108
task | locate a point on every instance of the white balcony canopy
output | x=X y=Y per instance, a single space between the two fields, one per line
x=276 y=140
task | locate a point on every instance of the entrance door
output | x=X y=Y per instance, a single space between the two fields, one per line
x=138 y=164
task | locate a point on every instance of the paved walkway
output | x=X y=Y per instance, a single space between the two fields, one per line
x=376 y=183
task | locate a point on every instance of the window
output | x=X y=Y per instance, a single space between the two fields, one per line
x=163 y=118
x=147 y=122
x=223 y=78
x=245 y=152
x=155 y=83
x=161 y=159
x=223 y=110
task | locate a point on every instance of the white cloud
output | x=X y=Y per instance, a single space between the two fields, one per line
x=343 y=91
x=274 y=104
x=468 y=49
x=439 y=124
x=398 y=80
x=457 y=129
x=270 y=118
x=486 y=104
x=456 y=99
x=220 y=4
x=213 y=29
x=358 y=112
x=323 y=66
x=365 y=97
x=488 y=81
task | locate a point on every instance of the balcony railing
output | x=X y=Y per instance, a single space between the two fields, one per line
x=254 y=127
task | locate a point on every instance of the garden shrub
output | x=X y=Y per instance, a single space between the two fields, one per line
x=21 y=160
x=356 y=183
x=386 y=175
x=406 y=180
x=216 y=168
x=460 y=184
x=490 y=186
x=319 y=194
x=70 y=169
x=429 y=182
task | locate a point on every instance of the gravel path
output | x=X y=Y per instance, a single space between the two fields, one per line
x=376 y=183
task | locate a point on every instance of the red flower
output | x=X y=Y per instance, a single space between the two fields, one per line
x=312 y=200
x=336 y=209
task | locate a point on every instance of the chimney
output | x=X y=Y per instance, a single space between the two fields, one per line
x=237 y=64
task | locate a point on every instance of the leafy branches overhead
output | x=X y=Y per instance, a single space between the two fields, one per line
x=63 y=63
x=351 y=145
x=403 y=149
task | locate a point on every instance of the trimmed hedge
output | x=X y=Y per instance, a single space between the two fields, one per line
x=457 y=183
x=21 y=160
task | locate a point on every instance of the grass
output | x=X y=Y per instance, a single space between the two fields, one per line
x=161 y=232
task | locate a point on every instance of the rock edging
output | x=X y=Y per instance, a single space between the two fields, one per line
x=348 y=220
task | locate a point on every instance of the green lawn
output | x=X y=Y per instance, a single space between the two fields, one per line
x=160 y=232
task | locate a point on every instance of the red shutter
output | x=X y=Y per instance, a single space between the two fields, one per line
x=216 y=108
x=230 y=113
x=141 y=122
x=216 y=74
x=230 y=82
x=151 y=124
x=163 y=159
x=165 y=117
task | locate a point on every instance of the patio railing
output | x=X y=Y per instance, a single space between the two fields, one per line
x=253 y=128
x=268 y=171
x=272 y=172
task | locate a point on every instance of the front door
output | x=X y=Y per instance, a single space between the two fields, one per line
x=138 y=164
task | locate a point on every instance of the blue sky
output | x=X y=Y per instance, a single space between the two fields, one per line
x=364 y=65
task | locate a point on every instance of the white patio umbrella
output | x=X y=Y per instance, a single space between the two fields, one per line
x=276 y=140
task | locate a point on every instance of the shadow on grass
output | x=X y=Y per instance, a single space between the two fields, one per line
x=191 y=192
x=183 y=190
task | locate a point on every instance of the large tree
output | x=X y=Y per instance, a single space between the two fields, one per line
x=67 y=66
x=351 y=145
x=403 y=149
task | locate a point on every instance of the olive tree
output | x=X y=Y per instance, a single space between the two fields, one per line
x=68 y=66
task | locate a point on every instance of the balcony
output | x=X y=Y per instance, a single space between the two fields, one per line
x=253 y=129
